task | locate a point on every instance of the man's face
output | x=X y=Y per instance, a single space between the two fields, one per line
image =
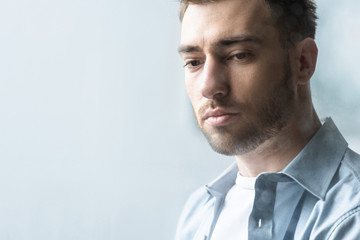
x=237 y=74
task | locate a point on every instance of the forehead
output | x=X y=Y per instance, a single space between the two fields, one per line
x=207 y=23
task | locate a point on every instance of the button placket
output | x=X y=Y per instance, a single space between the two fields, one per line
x=261 y=217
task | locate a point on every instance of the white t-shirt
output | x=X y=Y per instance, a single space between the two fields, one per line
x=232 y=223
x=233 y=220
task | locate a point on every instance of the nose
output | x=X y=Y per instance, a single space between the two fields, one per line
x=215 y=80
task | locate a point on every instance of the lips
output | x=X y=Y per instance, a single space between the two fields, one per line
x=219 y=117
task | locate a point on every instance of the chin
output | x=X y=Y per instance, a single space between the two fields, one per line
x=231 y=145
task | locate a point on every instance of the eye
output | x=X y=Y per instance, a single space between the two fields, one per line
x=241 y=56
x=192 y=63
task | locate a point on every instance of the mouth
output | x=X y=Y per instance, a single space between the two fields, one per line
x=219 y=117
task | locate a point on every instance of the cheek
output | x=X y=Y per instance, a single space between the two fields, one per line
x=267 y=75
x=245 y=84
x=192 y=92
x=192 y=85
x=252 y=86
x=189 y=88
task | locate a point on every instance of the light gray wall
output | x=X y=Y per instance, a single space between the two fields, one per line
x=97 y=138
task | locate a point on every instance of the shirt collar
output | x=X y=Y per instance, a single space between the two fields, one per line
x=313 y=168
x=221 y=185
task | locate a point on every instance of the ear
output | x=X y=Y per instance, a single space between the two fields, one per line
x=306 y=56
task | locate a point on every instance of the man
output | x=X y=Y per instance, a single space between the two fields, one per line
x=248 y=65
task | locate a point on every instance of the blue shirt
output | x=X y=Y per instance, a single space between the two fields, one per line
x=326 y=206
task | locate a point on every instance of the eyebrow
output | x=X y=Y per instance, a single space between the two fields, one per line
x=188 y=49
x=221 y=43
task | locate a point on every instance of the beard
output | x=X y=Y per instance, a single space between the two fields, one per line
x=267 y=120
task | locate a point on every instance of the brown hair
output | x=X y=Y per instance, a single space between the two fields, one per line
x=295 y=19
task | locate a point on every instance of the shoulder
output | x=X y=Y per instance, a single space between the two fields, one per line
x=348 y=174
x=351 y=161
x=196 y=201
x=344 y=190
x=347 y=225
x=195 y=210
x=339 y=214
x=346 y=181
x=199 y=209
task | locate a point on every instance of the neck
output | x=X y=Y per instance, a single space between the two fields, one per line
x=276 y=153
